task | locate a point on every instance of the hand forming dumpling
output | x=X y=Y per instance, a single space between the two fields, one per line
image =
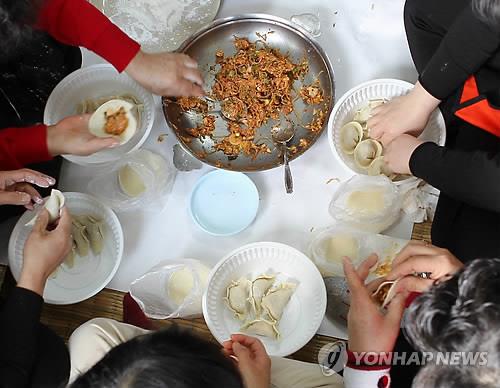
x=379 y=167
x=237 y=295
x=53 y=205
x=350 y=136
x=366 y=152
x=261 y=327
x=276 y=299
x=114 y=118
x=259 y=288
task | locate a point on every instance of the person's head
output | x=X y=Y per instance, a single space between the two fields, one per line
x=488 y=10
x=17 y=18
x=460 y=315
x=166 y=358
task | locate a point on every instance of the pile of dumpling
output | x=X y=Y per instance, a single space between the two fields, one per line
x=367 y=153
x=258 y=304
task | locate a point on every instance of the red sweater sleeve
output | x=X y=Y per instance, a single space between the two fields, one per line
x=22 y=146
x=79 y=23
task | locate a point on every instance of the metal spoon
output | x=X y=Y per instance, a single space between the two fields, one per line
x=282 y=135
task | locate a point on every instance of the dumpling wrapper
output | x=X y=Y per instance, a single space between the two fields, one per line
x=384 y=293
x=342 y=245
x=82 y=243
x=260 y=286
x=261 y=327
x=379 y=167
x=351 y=135
x=181 y=283
x=276 y=299
x=237 y=295
x=369 y=202
x=53 y=205
x=130 y=181
x=97 y=122
x=363 y=115
x=366 y=152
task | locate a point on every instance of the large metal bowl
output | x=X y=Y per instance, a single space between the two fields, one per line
x=290 y=39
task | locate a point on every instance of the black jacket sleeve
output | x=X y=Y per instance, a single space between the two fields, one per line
x=19 y=329
x=471 y=177
x=468 y=44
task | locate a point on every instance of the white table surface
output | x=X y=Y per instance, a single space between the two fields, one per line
x=364 y=40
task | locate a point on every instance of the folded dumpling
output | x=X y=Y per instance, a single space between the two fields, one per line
x=259 y=288
x=276 y=299
x=261 y=327
x=53 y=205
x=94 y=230
x=350 y=136
x=366 y=152
x=80 y=239
x=237 y=295
x=385 y=292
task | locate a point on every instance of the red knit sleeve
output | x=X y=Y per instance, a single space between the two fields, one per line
x=22 y=146
x=79 y=23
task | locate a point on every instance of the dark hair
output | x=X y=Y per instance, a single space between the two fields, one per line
x=166 y=358
x=488 y=10
x=17 y=18
x=460 y=315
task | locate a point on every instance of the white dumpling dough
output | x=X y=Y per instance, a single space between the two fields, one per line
x=262 y=327
x=342 y=245
x=259 y=288
x=182 y=282
x=350 y=136
x=130 y=181
x=97 y=121
x=366 y=152
x=53 y=205
x=367 y=202
x=237 y=296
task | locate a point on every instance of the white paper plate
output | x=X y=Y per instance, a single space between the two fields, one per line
x=357 y=97
x=94 y=82
x=90 y=274
x=303 y=314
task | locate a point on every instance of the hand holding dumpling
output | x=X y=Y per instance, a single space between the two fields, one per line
x=16 y=187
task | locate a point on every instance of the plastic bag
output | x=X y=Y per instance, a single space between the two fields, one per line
x=156 y=174
x=171 y=289
x=367 y=203
x=330 y=245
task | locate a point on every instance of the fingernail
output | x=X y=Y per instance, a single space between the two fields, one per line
x=38 y=200
x=51 y=181
x=114 y=145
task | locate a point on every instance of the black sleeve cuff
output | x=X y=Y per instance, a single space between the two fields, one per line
x=421 y=164
x=22 y=306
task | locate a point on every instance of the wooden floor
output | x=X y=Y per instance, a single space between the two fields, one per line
x=108 y=303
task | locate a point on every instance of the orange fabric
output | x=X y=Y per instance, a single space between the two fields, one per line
x=480 y=114
x=470 y=90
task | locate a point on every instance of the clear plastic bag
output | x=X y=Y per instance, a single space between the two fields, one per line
x=156 y=174
x=171 y=289
x=367 y=203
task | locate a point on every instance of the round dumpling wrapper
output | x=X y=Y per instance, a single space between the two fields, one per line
x=97 y=122
x=131 y=182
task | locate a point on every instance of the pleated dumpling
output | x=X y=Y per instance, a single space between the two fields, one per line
x=261 y=327
x=260 y=286
x=276 y=299
x=366 y=152
x=53 y=205
x=379 y=167
x=362 y=115
x=82 y=243
x=237 y=295
x=114 y=118
x=95 y=232
x=350 y=136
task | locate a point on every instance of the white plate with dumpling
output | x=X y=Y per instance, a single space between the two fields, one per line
x=354 y=104
x=85 y=276
x=291 y=269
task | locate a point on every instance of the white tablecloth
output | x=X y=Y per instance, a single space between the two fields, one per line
x=364 y=40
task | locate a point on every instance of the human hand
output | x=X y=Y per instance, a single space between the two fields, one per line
x=44 y=251
x=370 y=329
x=398 y=153
x=167 y=74
x=71 y=136
x=16 y=187
x=253 y=362
x=418 y=257
x=405 y=114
